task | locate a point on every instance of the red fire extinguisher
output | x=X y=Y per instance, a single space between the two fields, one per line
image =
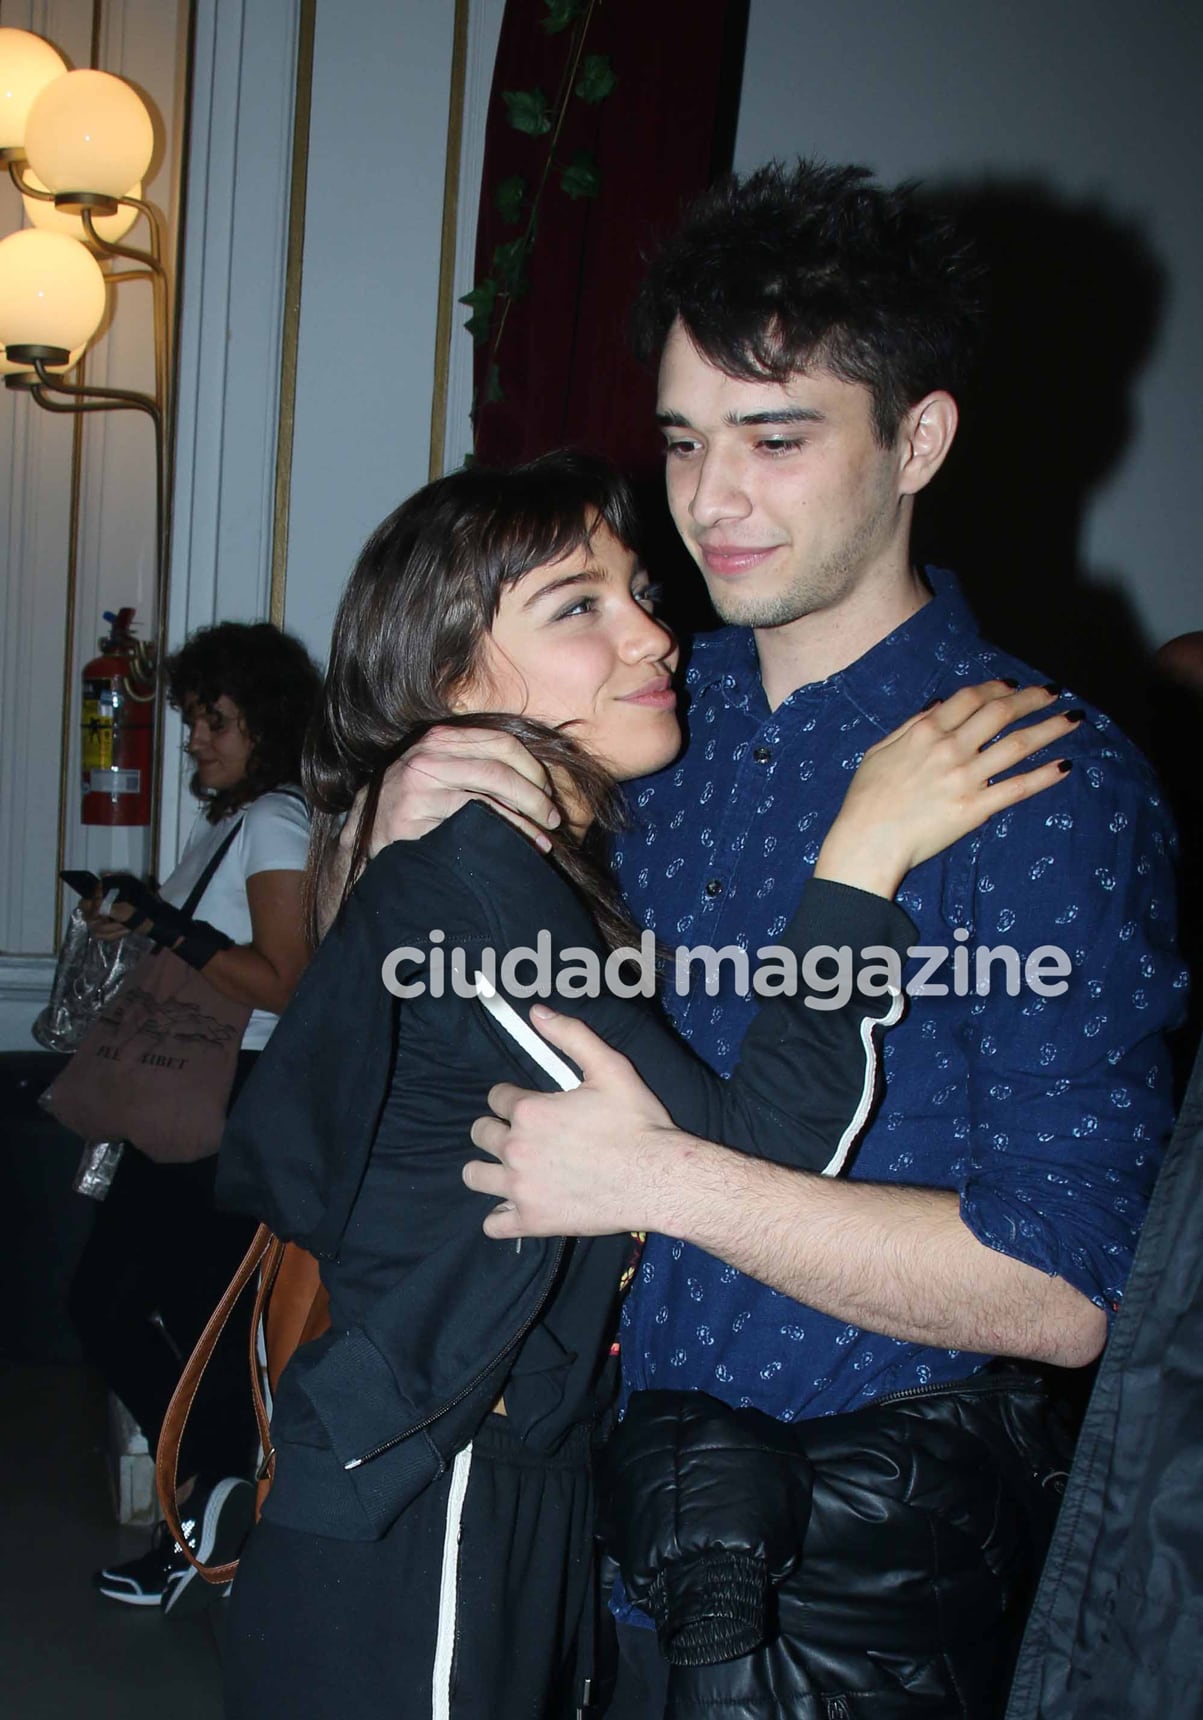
x=118 y=727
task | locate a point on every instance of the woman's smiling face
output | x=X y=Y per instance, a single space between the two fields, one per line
x=575 y=645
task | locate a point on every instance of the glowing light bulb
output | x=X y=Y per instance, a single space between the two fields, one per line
x=89 y=131
x=27 y=65
x=52 y=291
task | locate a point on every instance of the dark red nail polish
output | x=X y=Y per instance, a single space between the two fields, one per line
x=1054 y=689
x=1008 y=682
x=1074 y=716
x=1064 y=764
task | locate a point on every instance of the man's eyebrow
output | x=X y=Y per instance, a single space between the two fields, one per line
x=777 y=415
x=774 y=415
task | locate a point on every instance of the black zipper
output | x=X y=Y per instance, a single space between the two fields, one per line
x=466 y=1391
x=973 y=1383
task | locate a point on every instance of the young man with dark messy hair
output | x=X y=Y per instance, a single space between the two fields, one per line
x=810 y=328
x=818 y=268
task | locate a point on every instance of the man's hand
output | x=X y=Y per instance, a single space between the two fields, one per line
x=595 y=1161
x=448 y=767
x=605 y=1158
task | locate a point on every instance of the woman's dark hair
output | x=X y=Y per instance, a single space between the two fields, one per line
x=275 y=684
x=410 y=629
x=815 y=267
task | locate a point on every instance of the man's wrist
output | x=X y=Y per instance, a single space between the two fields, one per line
x=695 y=1181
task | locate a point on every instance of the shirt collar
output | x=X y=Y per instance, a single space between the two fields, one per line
x=890 y=681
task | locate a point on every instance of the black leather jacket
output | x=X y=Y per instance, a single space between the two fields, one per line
x=1115 y=1632
x=873 y=1564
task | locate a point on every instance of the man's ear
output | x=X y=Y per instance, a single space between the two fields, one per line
x=924 y=438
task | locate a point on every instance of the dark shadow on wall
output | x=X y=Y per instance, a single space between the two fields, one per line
x=1074 y=305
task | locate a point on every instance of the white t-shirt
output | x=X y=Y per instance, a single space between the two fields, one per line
x=274 y=838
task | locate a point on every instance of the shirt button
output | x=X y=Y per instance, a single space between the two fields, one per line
x=714 y=886
x=762 y=755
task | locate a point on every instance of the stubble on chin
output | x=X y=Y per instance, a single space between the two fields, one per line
x=764 y=609
x=802 y=591
x=804 y=594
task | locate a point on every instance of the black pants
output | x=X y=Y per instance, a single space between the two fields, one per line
x=320 y=1629
x=641 y=1689
x=152 y=1272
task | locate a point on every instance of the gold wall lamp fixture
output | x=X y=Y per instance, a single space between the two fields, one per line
x=77 y=146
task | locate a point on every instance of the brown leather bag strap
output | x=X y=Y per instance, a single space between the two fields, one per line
x=265 y=1248
x=272 y=1257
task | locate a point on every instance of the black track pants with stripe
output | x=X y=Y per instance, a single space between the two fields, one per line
x=483 y=1626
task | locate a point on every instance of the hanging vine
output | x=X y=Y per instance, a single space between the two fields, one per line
x=587 y=78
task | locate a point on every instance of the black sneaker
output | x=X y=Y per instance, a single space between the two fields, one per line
x=214 y=1528
x=225 y=1519
x=141 y=1582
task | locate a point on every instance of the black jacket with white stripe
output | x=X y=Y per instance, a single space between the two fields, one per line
x=351 y=1135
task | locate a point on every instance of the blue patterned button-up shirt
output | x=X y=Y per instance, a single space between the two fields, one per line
x=1047 y=1115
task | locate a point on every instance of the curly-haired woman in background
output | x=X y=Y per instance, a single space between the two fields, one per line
x=160 y=1254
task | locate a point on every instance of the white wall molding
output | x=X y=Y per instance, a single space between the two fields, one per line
x=24 y=989
x=484 y=31
x=369 y=305
x=231 y=288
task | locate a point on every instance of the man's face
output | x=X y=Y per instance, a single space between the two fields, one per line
x=783 y=496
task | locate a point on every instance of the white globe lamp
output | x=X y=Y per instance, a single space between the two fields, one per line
x=52 y=296
x=89 y=139
x=27 y=65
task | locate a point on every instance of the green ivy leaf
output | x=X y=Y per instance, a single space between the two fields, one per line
x=560 y=13
x=509 y=266
x=597 y=78
x=480 y=302
x=527 y=111
x=581 y=177
x=493 y=389
x=509 y=198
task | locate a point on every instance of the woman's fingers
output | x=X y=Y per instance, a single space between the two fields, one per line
x=978 y=728
x=947 y=716
x=997 y=796
x=974 y=722
x=968 y=702
x=930 y=782
x=1011 y=749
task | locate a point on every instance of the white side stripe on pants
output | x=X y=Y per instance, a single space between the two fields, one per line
x=444 y=1642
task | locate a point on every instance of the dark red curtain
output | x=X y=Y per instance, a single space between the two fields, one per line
x=562 y=362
